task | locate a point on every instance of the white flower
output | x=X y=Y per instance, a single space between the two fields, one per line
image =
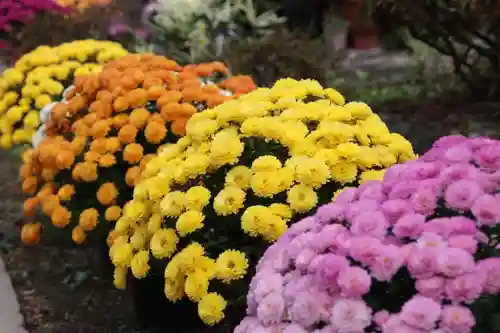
x=44 y=116
x=65 y=92
x=39 y=136
x=45 y=112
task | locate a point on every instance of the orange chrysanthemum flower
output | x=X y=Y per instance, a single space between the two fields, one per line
x=107 y=193
x=50 y=203
x=112 y=145
x=133 y=153
x=30 y=233
x=78 y=235
x=139 y=117
x=127 y=133
x=29 y=206
x=29 y=185
x=132 y=175
x=107 y=161
x=61 y=217
x=66 y=192
x=25 y=171
x=88 y=219
x=113 y=213
x=100 y=128
x=155 y=132
x=78 y=144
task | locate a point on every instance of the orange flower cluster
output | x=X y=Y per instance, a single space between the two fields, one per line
x=99 y=141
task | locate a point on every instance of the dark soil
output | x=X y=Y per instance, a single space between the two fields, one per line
x=64 y=289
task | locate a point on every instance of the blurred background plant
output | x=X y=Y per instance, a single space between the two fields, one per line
x=418 y=83
x=280 y=54
x=200 y=30
x=466 y=30
x=15 y=14
x=69 y=20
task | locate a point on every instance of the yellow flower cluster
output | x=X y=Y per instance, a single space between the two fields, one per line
x=255 y=165
x=39 y=78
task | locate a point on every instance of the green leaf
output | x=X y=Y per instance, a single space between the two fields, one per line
x=495 y=322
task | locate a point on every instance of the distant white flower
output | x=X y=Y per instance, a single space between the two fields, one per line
x=172 y=13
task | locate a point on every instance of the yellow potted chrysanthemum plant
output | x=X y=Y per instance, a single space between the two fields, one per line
x=207 y=207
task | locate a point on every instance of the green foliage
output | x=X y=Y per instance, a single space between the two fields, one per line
x=280 y=54
x=466 y=30
x=201 y=30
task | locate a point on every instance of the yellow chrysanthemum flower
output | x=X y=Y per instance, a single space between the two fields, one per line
x=163 y=243
x=371 y=175
x=312 y=172
x=206 y=265
x=139 y=264
x=122 y=255
x=344 y=173
x=174 y=288
x=154 y=223
x=196 y=286
x=253 y=218
x=138 y=239
x=211 y=308
x=302 y=198
x=229 y=201
x=266 y=183
x=197 y=197
x=173 y=204
x=231 y=265
x=282 y=210
x=189 y=222
x=266 y=163
x=239 y=176
x=120 y=277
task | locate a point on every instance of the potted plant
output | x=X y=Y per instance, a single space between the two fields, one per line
x=350 y=10
x=365 y=32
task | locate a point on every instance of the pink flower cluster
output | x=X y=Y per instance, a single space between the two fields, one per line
x=20 y=11
x=427 y=223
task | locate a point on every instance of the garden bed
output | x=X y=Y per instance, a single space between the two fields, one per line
x=66 y=289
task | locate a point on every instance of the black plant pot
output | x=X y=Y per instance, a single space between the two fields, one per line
x=106 y=264
x=156 y=313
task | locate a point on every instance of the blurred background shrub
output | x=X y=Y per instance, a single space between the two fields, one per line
x=16 y=14
x=69 y=20
x=466 y=30
x=193 y=31
x=280 y=54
